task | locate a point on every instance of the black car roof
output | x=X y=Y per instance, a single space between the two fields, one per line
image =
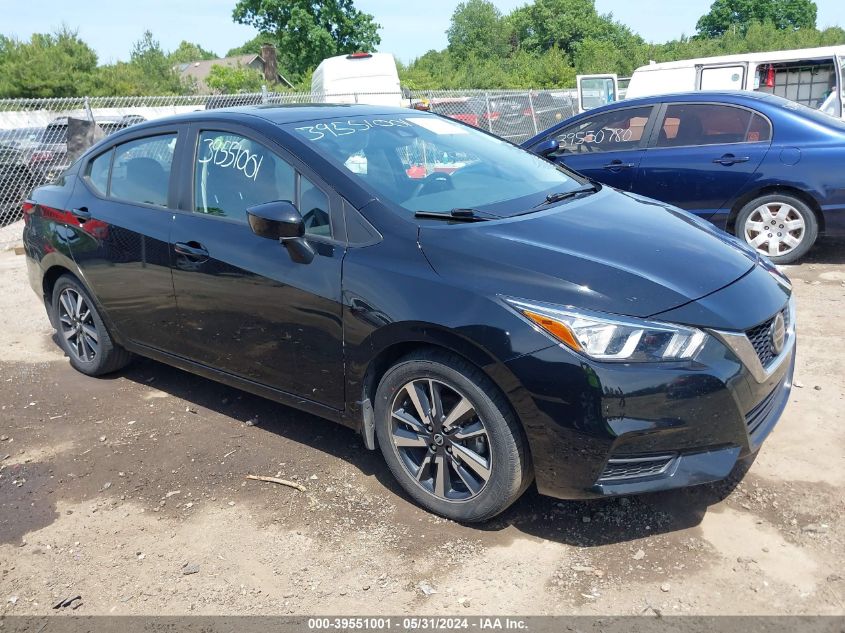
x=280 y=114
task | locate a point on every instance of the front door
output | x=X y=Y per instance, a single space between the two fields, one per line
x=702 y=154
x=245 y=306
x=607 y=147
x=120 y=236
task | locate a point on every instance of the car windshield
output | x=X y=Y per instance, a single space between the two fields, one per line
x=428 y=163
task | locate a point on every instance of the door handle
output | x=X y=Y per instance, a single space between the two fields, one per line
x=618 y=164
x=192 y=250
x=82 y=214
x=729 y=159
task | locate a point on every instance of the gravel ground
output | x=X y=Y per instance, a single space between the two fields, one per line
x=130 y=492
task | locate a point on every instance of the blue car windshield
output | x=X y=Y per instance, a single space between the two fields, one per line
x=428 y=163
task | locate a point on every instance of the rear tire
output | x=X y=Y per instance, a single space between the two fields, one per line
x=779 y=226
x=81 y=331
x=467 y=460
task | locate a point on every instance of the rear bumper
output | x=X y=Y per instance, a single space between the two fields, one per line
x=600 y=429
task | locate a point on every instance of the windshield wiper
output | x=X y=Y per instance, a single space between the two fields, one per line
x=564 y=195
x=457 y=215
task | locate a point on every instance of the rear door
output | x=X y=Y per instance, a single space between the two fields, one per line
x=245 y=306
x=701 y=155
x=607 y=146
x=120 y=232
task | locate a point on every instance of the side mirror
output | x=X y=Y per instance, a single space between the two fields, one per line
x=280 y=220
x=546 y=148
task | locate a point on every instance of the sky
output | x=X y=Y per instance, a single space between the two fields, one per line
x=409 y=29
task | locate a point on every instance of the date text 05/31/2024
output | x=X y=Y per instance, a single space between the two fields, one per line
x=416 y=623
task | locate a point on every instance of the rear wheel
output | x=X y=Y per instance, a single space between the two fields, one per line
x=449 y=437
x=82 y=334
x=780 y=226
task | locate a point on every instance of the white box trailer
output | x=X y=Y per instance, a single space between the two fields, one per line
x=811 y=76
x=370 y=78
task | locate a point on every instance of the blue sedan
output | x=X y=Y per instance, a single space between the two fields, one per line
x=763 y=168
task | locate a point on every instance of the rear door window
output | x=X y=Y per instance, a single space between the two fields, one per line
x=686 y=124
x=98 y=172
x=141 y=170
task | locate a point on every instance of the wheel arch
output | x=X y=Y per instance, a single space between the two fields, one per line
x=48 y=283
x=768 y=190
x=406 y=339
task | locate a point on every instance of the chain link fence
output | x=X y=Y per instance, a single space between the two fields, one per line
x=40 y=138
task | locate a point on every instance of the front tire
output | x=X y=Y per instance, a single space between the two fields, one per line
x=780 y=226
x=450 y=438
x=81 y=331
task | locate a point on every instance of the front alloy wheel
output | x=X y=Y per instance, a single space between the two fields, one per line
x=441 y=440
x=450 y=437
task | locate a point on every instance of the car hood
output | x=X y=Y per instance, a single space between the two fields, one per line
x=610 y=251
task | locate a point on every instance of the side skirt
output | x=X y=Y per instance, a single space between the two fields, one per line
x=277 y=395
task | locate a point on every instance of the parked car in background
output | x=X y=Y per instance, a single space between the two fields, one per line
x=26 y=138
x=16 y=181
x=767 y=169
x=49 y=158
x=495 y=323
x=511 y=116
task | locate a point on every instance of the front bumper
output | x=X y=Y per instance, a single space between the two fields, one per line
x=598 y=429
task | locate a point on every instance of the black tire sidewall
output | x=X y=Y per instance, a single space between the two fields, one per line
x=811 y=226
x=101 y=362
x=509 y=458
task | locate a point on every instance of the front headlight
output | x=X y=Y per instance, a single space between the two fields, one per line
x=609 y=337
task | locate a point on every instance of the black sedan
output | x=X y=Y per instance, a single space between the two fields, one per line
x=484 y=317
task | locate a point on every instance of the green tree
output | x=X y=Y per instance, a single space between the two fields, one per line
x=233 y=79
x=149 y=71
x=546 y=24
x=48 y=65
x=477 y=28
x=307 y=31
x=189 y=52
x=738 y=15
x=156 y=69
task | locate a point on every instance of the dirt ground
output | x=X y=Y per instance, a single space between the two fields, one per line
x=130 y=492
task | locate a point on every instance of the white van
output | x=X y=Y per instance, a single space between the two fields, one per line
x=369 y=78
x=811 y=76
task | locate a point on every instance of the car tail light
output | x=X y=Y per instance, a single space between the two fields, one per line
x=527 y=112
x=41 y=157
x=492 y=116
x=28 y=208
x=359 y=55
